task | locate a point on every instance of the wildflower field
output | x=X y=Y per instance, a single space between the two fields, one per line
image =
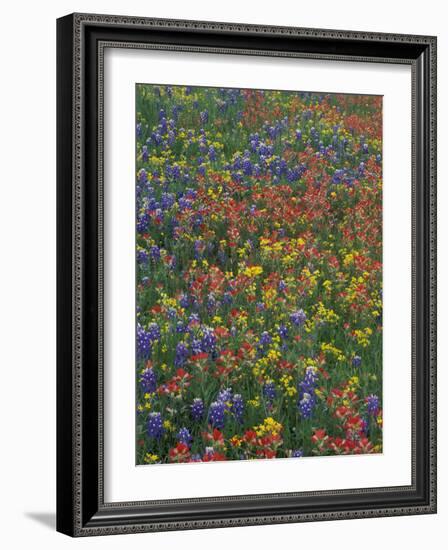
x=259 y=274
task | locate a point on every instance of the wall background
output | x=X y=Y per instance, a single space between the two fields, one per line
x=27 y=289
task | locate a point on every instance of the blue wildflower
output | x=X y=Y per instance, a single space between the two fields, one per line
x=144 y=343
x=373 y=404
x=197 y=409
x=307 y=395
x=184 y=436
x=269 y=391
x=154 y=426
x=155 y=252
x=298 y=317
x=238 y=407
x=283 y=332
x=182 y=354
x=148 y=381
x=225 y=396
x=216 y=414
x=265 y=339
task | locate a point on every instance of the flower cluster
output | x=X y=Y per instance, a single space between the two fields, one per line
x=258 y=274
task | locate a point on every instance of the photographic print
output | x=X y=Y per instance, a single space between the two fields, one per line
x=246 y=280
x=258 y=274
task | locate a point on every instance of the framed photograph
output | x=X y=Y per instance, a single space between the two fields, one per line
x=246 y=274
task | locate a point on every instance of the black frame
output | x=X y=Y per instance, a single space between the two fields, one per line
x=81 y=39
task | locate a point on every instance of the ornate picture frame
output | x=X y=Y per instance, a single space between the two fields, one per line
x=81 y=43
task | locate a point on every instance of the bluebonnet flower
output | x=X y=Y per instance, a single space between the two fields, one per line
x=208 y=341
x=307 y=395
x=211 y=303
x=180 y=327
x=365 y=425
x=293 y=175
x=184 y=301
x=238 y=407
x=269 y=391
x=154 y=331
x=204 y=116
x=194 y=318
x=283 y=331
x=148 y=380
x=184 y=204
x=237 y=177
x=142 y=257
x=298 y=317
x=297 y=453
x=282 y=286
x=225 y=397
x=247 y=167
x=338 y=176
x=167 y=200
x=196 y=346
x=142 y=176
x=373 y=404
x=306 y=405
x=145 y=154
x=227 y=298
x=191 y=194
x=265 y=339
x=184 y=436
x=216 y=414
x=197 y=219
x=155 y=252
x=199 y=248
x=172 y=313
x=155 y=425
x=182 y=354
x=176 y=174
x=156 y=138
x=211 y=153
x=144 y=342
x=197 y=409
x=356 y=361
x=142 y=223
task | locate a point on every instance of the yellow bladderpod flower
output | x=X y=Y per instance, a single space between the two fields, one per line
x=150 y=458
x=253 y=271
x=168 y=426
x=254 y=402
x=269 y=426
